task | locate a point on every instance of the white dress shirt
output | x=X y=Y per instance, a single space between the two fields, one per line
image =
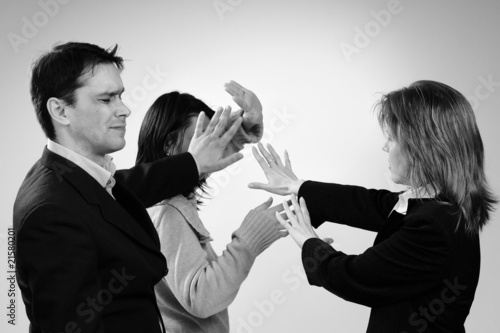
x=102 y=174
x=411 y=193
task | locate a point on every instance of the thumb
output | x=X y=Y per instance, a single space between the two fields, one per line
x=265 y=205
x=328 y=240
x=283 y=233
x=259 y=186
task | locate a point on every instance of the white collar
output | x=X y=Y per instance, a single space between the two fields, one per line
x=188 y=209
x=102 y=174
x=411 y=193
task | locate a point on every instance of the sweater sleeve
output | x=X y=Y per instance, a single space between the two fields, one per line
x=409 y=262
x=205 y=287
x=354 y=206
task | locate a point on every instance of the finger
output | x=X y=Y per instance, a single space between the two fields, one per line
x=237 y=85
x=260 y=160
x=328 y=240
x=283 y=233
x=220 y=128
x=269 y=159
x=275 y=155
x=303 y=207
x=229 y=134
x=233 y=88
x=283 y=215
x=199 y=125
x=260 y=186
x=289 y=213
x=298 y=211
x=305 y=215
x=235 y=115
x=283 y=222
x=279 y=208
x=265 y=205
x=229 y=87
x=288 y=164
x=214 y=121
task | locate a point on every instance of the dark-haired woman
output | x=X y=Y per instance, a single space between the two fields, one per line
x=200 y=285
x=422 y=272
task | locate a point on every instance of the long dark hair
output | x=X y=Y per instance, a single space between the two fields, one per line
x=436 y=128
x=163 y=128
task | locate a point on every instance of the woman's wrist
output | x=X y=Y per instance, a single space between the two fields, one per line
x=295 y=186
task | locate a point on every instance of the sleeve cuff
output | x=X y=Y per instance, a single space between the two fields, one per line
x=196 y=163
x=308 y=191
x=315 y=253
x=258 y=231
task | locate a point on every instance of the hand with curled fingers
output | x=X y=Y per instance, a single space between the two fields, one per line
x=266 y=209
x=253 y=124
x=299 y=223
x=207 y=145
x=281 y=178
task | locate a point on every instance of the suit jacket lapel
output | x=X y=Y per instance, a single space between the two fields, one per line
x=125 y=213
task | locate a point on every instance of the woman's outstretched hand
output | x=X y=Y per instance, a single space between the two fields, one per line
x=281 y=179
x=299 y=223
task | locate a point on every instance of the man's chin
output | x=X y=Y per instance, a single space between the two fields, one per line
x=116 y=147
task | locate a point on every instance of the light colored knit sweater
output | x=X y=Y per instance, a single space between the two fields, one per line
x=200 y=285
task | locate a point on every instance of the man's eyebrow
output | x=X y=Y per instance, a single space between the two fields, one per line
x=111 y=92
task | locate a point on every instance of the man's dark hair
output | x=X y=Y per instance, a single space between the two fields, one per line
x=57 y=74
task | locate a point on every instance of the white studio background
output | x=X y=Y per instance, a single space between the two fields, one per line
x=318 y=66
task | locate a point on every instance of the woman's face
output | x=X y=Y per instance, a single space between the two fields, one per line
x=398 y=164
x=189 y=132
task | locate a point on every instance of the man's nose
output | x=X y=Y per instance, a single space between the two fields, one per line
x=123 y=110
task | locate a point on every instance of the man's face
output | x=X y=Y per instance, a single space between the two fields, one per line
x=98 y=116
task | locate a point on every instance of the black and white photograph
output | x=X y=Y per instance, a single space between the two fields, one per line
x=250 y=166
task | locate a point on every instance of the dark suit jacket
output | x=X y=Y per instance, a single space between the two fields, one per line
x=87 y=262
x=419 y=276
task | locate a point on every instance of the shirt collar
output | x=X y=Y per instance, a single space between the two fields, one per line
x=102 y=174
x=412 y=193
x=188 y=208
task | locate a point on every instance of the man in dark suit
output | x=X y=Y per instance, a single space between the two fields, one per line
x=87 y=253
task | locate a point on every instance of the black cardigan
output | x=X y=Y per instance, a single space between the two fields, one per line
x=419 y=276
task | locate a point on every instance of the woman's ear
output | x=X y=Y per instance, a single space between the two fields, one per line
x=58 y=110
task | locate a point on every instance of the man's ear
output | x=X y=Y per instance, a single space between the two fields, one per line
x=58 y=110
